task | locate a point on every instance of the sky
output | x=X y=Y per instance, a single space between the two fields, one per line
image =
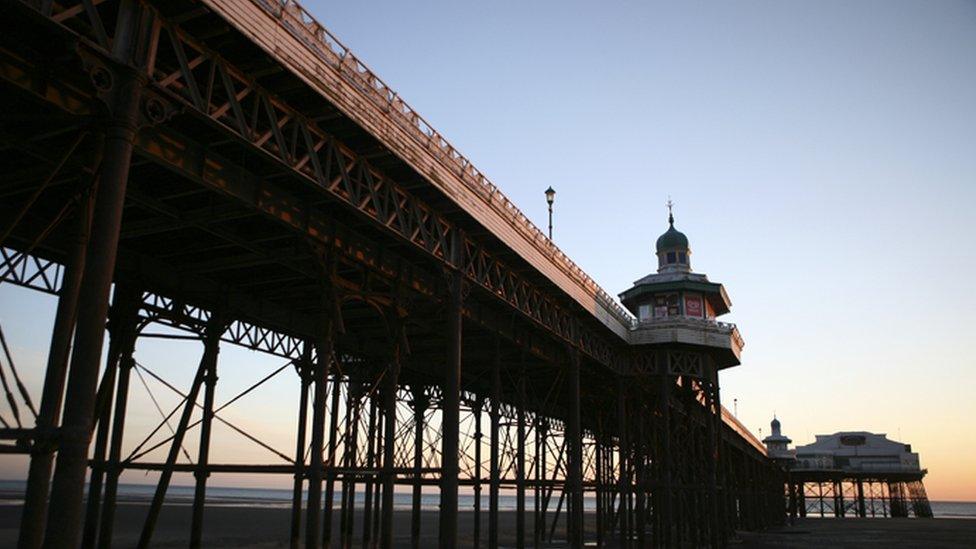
x=822 y=161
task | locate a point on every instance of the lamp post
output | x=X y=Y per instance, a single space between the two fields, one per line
x=550 y=198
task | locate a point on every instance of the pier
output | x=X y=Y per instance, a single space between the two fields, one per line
x=227 y=168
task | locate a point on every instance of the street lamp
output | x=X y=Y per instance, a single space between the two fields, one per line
x=550 y=198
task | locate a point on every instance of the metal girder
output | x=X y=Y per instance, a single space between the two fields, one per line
x=199 y=81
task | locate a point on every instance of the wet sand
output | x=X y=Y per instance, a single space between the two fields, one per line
x=261 y=527
x=853 y=532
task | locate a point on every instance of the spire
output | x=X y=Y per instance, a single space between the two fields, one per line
x=670 y=212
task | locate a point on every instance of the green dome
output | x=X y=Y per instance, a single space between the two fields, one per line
x=673 y=239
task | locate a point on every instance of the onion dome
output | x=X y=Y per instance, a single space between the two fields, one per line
x=673 y=252
x=672 y=239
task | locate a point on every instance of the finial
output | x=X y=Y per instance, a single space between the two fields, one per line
x=670 y=213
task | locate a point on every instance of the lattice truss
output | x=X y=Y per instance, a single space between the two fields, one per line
x=187 y=77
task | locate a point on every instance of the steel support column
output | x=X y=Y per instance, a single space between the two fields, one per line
x=479 y=403
x=714 y=410
x=313 y=506
x=206 y=422
x=305 y=369
x=207 y=363
x=450 y=420
x=33 y=516
x=662 y=506
x=114 y=468
x=520 y=461
x=372 y=438
x=494 y=469
x=419 y=409
x=623 y=449
x=390 y=383
x=330 y=473
x=574 y=433
x=539 y=523
x=103 y=412
x=861 y=512
x=72 y=461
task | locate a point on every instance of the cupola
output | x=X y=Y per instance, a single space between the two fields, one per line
x=673 y=252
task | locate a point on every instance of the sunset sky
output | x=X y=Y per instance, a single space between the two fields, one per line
x=821 y=156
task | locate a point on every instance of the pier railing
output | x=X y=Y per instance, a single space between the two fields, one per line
x=691 y=322
x=301 y=24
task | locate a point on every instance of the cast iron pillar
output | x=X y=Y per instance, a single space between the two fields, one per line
x=861 y=511
x=313 y=506
x=68 y=486
x=451 y=420
x=575 y=434
x=623 y=478
x=494 y=472
x=33 y=516
x=305 y=369
x=202 y=473
x=330 y=473
x=520 y=461
x=390 y=382
x=114 y=469
x=420 y=403
x=664 y=499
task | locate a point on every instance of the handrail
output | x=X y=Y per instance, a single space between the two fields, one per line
x=729 y=327
x=303 y=25
x=743 y=431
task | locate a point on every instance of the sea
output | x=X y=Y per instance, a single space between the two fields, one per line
x=11 y=493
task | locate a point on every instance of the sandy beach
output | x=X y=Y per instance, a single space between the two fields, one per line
x=263 y=527
x=852 y=532
x=260 y=527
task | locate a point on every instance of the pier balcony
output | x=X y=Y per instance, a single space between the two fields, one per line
x=707 y=332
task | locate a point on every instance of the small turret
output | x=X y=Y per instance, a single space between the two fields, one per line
x=673 y=252
x=776 y=443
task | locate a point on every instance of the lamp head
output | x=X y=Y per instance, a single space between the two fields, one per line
x=550 y=195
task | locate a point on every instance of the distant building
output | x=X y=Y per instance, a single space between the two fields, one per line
x=851 y=473
x=857 y=451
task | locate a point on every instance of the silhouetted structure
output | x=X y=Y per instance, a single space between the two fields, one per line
x=851 y=473
x=234 y=172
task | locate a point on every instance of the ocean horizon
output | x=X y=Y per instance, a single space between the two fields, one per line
x=11 y=493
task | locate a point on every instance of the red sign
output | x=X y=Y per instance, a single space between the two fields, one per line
x=693 y=306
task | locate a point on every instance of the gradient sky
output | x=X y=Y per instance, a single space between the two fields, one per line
x=822 y=158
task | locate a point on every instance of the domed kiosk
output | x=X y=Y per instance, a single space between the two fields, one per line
x=678 y=306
